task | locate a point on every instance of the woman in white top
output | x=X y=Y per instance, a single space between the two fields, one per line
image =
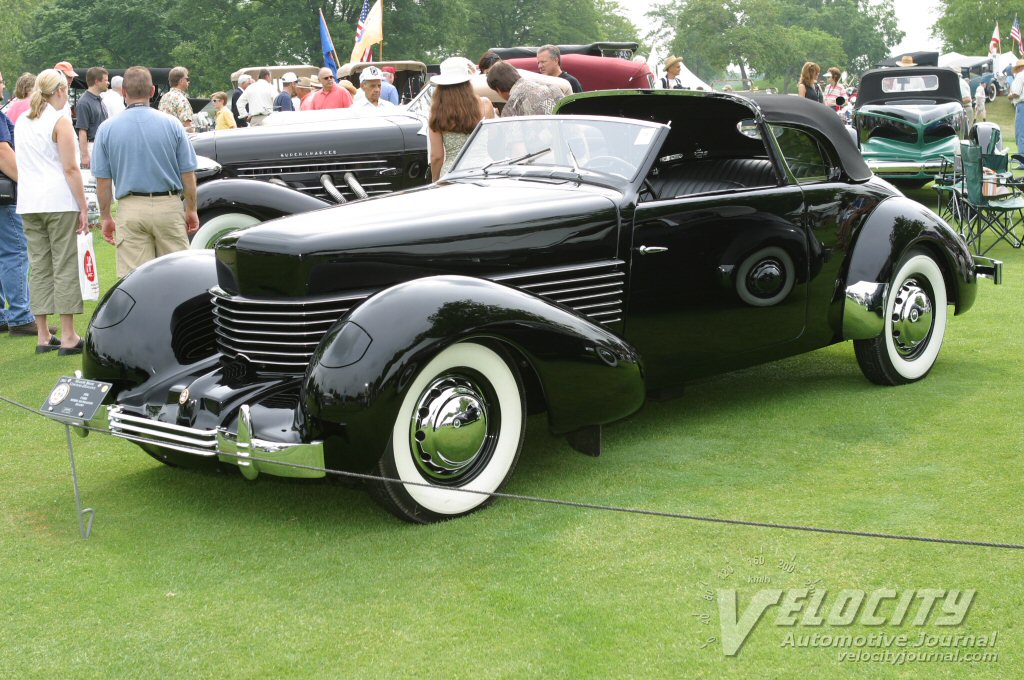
x=51 y=202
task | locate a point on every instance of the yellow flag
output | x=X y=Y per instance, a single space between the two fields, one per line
x=373 y=32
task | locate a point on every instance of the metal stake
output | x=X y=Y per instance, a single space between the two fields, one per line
x=84 y=526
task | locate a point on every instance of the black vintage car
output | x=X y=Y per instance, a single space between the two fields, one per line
x=570 y=264
x=304 y=161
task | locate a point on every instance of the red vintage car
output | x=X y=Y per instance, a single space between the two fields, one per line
x=598 y=73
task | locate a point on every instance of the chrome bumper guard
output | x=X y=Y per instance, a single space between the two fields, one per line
x=864 y=309
x=987 y=268
x=274 y=458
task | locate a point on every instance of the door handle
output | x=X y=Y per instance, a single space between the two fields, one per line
x=652 y=250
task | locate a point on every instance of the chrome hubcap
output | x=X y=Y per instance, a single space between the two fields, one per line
x=766 y=278
x=912 y=317
x=449 y=432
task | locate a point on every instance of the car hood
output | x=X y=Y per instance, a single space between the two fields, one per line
x=476 y=228
x=912 y=114
x=312 y=141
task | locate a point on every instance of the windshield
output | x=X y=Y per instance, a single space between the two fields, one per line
x=526 y=145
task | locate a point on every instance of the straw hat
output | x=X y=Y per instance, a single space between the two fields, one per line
x=1018 y=66
x=906 y=60
x=454 y=70
x=672 y=61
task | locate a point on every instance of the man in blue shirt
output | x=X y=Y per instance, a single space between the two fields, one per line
x=283 y=101
x=388 y=91
x=147 y=156
x=18 y=319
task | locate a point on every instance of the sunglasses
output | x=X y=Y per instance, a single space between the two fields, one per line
x=326 y=77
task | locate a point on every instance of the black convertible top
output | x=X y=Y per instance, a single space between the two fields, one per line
x=709 y=119
x=870 y=91
x=781 y=108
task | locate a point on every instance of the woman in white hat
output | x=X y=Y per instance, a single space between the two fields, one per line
x=454 y=113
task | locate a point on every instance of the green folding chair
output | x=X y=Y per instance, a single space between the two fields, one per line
x=1001 y=215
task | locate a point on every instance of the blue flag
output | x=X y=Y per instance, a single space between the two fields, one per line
x=327 y=46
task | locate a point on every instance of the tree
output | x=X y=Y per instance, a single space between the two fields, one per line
x=966 y=25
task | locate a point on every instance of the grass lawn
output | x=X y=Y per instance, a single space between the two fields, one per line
x=202 y=575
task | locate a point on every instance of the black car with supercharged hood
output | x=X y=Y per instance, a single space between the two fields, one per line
x=569 y=264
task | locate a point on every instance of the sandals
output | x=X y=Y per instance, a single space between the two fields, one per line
x=53 y=344
x=68 y=351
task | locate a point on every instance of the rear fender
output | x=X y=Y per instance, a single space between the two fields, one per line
x=361 y=370
x=896 y=225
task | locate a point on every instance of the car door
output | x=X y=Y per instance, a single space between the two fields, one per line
x=715 y=280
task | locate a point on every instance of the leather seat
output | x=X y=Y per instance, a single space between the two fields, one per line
x=701 y=177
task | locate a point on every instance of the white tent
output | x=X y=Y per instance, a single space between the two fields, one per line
x=1003 y=60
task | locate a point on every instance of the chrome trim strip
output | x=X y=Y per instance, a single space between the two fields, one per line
x=121 y=415
x=864 y=310
x=557 y=270
x=162 y=436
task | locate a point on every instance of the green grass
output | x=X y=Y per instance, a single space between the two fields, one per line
x=193 y=575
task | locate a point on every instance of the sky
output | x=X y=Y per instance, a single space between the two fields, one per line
x=915 y=18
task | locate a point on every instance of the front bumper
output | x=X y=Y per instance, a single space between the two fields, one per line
x=240 y=448
x=905 y=169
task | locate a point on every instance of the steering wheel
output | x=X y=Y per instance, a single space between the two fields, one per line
x=611 y=164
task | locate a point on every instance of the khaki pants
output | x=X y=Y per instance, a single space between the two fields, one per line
x=148 y=227
x=53 y=260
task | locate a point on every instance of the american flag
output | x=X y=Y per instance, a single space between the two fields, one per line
x=368 y=54
x=1015 y=34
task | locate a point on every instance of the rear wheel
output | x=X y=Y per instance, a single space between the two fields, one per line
x=915 y=324
x=460 y=426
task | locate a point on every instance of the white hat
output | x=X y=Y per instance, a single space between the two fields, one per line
x=289 y=78
x=454 y=70
x=371 y=73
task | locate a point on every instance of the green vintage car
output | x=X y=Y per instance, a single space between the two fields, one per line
x=908 y=119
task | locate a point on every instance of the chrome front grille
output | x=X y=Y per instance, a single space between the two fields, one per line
x=594 y=290
x=276 y=335
x=306 y=177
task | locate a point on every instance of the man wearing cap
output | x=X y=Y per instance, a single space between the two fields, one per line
x=148 y=157
x=91 y=111
x=332 y=96
x=113 y=100
x=70 y=74
x=371 y=82
x=174 y=102
x=670 y=81
x=244 y=81
x=388 y=90
x=257 y=102
x=549 y=62
x=1015 y=94
x=283 y=101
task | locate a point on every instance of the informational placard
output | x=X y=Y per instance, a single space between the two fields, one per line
x=75 y=399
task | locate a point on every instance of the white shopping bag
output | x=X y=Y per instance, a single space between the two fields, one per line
x=88 y=277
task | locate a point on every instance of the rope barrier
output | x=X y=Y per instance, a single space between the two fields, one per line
x=598 y=506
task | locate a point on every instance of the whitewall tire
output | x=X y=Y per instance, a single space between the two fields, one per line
x=460 y=426
x=217 y=227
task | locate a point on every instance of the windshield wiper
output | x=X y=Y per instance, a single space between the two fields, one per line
x=516 y=159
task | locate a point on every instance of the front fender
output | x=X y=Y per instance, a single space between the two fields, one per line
x=263 y=200
x=154 y=322
x=359 y=374
x=896 y=225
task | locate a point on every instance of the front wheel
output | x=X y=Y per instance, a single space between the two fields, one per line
x=215 y=226
x=915 y=323
x=460 y=426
